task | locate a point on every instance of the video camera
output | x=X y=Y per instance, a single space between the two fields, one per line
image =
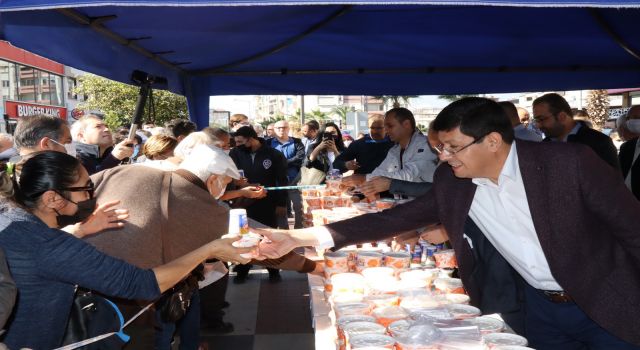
x=141 y=78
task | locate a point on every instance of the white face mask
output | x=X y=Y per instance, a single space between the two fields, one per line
x=633 y=125
x=70 y=148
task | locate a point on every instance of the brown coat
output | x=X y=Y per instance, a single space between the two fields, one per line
x=195 y=218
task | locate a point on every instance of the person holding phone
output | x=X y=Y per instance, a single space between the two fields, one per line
x=326 y=147
x=94 y=144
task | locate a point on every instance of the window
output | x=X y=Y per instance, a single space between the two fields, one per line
x=72 y=83
x=27 y=89
x=5 y=83
x=55 y=90
x=44 y=88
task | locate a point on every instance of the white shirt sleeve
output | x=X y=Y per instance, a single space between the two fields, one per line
x=322 y=234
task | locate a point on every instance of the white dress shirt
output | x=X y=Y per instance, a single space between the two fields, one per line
x=502 y=213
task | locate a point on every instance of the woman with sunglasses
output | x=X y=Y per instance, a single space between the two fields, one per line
x=50 y=190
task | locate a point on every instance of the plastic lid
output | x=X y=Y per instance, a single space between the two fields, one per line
x=505 y=339
x=354 y=318
x=364 y=340
x=374 y=272
x=362 y=327
x=399 y=327
x=462 y=311
x=488 y=324
x=430 y=314
x=512 y=347
x=390 y=312
x=421 y=334
x=420 y=302
x=455 y=298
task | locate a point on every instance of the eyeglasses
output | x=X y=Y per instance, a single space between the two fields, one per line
x=90 y=188
x=450 y=152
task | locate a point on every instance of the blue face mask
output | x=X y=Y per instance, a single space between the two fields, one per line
x=136 y=150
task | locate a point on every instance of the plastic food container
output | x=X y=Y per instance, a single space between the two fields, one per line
x=462 y=312
x=397 y=260
x=457 y=298
x=383 y=285
x=494 y=340
x=488 y=325
x=385 y=203
x=425 y=275
x=398 y=328
x=419 y=337
x=368 y=259
x=420 y=302
x=412 y=284
x=347 y=283
x=344 y=320
x=330 y=202
x=445 y=258
x=313 y=201
x=449 y=285
x=336 y=262
x=368 y=340
x=248 y=240
x=345 y=298
x=374 y=273
x=382 y=300
x=352 y=309
x=512 y=347
x=386 y=315
x=431 y=314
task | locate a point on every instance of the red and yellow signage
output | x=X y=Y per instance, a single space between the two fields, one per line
x=16 y=110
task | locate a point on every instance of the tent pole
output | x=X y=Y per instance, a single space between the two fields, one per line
x=597 y=16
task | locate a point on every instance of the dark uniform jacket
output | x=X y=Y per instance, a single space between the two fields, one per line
x=90 y=157
x=268 y=168
x=368 y=152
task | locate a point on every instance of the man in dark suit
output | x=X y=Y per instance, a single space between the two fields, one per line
x=552 y=114
x=630 y=152
x=560 y=217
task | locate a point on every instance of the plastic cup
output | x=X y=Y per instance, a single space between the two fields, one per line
x=330 y=202
x=449 y=285
x=382 y=300
x=457 y=298
x=445 y=258
x=344 y=309
x=313 y=201
x=368 y=259
x=420 y=302
x=336 y=262
x=383 y=285
x=347 y=283
x=373 y=273
x=386 y=315
x=385 y=203
x=344 y=320
x=397 y=260
x=248 y=240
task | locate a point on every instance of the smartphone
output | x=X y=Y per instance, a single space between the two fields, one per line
x=327 y=136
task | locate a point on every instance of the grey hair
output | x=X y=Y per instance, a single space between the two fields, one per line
x=194 y=139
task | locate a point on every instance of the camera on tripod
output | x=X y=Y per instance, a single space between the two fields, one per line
x=141 y=78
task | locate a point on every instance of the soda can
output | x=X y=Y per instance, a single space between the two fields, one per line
x=440 y=246
x=416 y=255
x=241 y=172
x=431 y=249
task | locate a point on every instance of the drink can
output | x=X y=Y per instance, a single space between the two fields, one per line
x=431 y=249
x=241 y=172
x=238 y=222
x=416 y=255
x=440 y=246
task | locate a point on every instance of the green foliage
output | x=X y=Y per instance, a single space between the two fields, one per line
x=317 y=115
x=276 y=118
x=118 y=101
x=423 y=128
x=341 y=112
x=452 y=98
x=394 y=99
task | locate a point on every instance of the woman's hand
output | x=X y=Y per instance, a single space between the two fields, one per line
x=330 y=146
x=255 y=192
x=104 y=217
x=223 y=249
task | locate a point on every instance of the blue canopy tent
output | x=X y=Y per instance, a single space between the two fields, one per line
x=381 y=47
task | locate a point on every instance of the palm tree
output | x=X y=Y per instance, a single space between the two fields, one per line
x=341 y=112
x=395 y=99
x=317 y=115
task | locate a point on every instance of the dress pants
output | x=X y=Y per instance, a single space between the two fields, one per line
x=564 y=326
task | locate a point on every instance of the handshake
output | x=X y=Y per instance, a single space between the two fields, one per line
x=262 y=244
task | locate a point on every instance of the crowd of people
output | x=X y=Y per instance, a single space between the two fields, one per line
x=538 y=224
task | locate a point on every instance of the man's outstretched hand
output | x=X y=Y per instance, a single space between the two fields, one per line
x=275 y=243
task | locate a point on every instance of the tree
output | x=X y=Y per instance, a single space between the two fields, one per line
x=394 y=99
x=598 y=107
x=118 y=101
x=452 y=98
x=423 y=128
x=272 y=120
x=317 y=115
x=341 y=112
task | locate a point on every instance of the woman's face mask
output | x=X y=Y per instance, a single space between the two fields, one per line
x=85 y=209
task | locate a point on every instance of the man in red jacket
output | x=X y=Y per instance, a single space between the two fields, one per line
x=557 y=213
